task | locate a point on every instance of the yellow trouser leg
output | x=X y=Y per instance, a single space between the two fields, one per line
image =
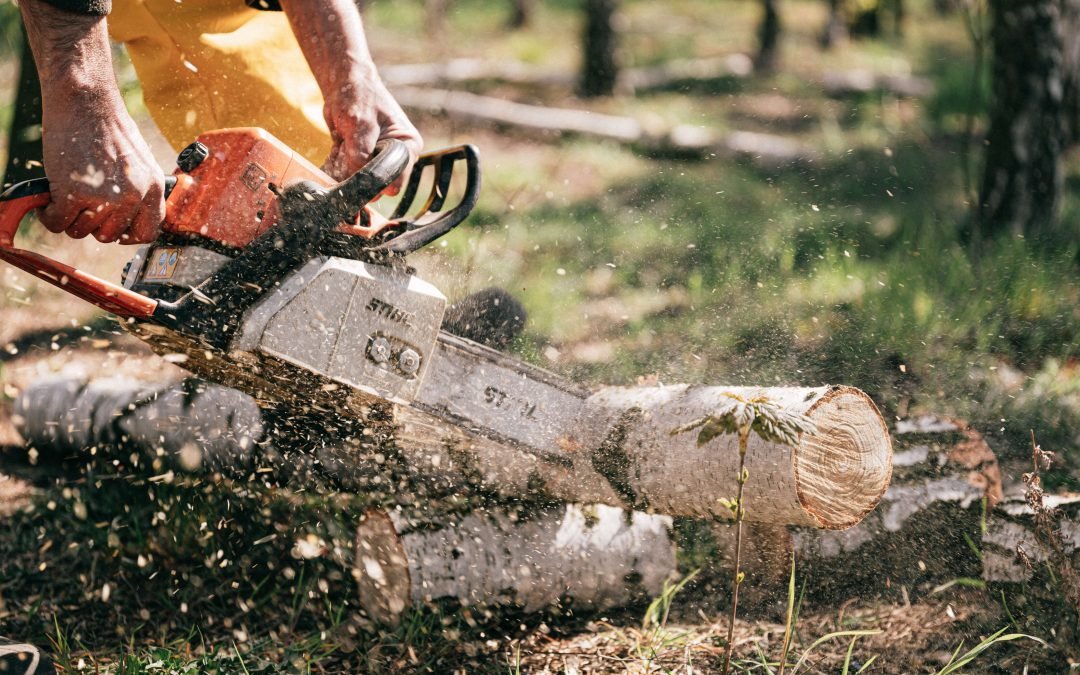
x=212 y=64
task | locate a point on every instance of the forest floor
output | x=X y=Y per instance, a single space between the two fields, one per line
x=850 y=268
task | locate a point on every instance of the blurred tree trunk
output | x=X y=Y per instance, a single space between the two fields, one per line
x=836 y=28
x=600 y=67
x=768 y=37
x=520 y=13
x=435 y=17
x=1071 y=31
x=24 y=135
x=1030 y=123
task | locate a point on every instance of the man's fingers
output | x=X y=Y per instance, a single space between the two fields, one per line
x=334 y=166
x=56 y=217
x=87 y=221
x=146 y=223
x=117 y=223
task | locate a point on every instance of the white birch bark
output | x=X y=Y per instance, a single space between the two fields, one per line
x=588 y=557
x=1012 y=527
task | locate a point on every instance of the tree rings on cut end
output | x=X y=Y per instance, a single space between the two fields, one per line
x=843 y=470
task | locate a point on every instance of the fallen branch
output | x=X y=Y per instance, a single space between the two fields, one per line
x=671 y=75
x=681 y=141
x=859 y=82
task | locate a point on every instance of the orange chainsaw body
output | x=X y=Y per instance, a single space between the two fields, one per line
x=229 y=196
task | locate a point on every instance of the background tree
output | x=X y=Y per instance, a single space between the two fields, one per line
x=1034 y=76
x=520 y=13
x=1070 y=19
x=768 y=36
x=600 y=67
x=435 y=17
x=836 y=27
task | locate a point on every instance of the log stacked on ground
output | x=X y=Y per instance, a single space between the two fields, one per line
x=1031 y=560
x=1013 y=549
x=593 y=558
x=619 y=450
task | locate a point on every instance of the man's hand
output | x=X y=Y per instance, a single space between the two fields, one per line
x=358 y=121
x=102 y=176
x=359 y=109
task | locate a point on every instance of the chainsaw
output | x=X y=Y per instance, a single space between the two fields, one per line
x=271 y=278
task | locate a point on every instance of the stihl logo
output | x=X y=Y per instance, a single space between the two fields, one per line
x=388 y=311
x=253 y=176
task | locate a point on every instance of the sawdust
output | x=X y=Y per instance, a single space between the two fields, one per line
x=913 y=638
x=14 y=495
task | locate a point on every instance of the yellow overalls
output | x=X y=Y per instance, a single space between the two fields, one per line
x=213 y=64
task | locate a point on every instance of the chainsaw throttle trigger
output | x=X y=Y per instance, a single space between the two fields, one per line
x=20 y=199
x=428 y=224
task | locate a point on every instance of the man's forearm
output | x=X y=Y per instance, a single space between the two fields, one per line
x=103 y=178
x=331 y=35
x=71 y=51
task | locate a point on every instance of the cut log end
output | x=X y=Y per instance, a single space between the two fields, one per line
x=843 y=470
x=382 y=568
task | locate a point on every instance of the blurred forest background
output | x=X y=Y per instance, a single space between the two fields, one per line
x=880 y=193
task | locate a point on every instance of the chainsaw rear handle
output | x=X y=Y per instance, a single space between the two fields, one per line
x=20 y=199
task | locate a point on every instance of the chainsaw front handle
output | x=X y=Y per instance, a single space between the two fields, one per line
x=351 y=195
x=420 y=230
x=20 y=199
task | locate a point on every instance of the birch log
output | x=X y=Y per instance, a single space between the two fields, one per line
x=614 y=447
x=830 y=479
x=1011 y=536
x=587 y=557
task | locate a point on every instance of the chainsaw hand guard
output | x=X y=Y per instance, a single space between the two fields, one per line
x=421 y=230
x=403 y=235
